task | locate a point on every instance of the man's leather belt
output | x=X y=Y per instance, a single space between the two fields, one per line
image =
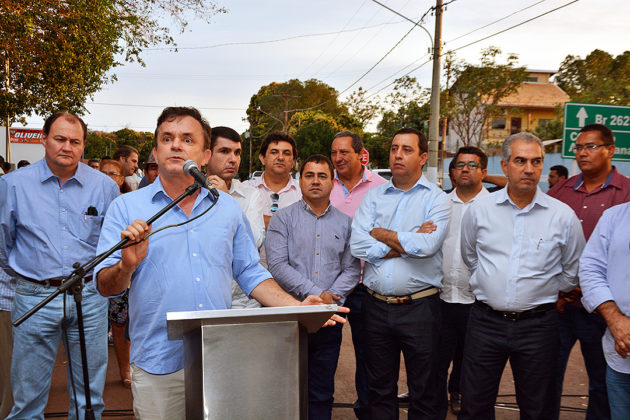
x=538 y=311
x=54 y=282
x=395 y=300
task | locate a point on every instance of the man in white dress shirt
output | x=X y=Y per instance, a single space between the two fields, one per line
x=522 y=247
x=225 y=144
x=456 y=298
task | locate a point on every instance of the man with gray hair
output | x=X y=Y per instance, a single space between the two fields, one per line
x=517 y=272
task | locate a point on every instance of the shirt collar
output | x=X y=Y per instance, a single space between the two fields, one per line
x=454 y=197
x=422 y=182
x=237 y=189
x=308 y=208
x=614 y=180
x=292 y=184
x=540 y=199
x=80 y=174
x=157 y=189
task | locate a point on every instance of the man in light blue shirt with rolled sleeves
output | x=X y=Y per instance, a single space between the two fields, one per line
x=522 y=247
x=183 y=268
x=605 y=282
x=402 y=274
x=50 y=217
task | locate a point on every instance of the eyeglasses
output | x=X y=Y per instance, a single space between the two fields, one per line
x=589 y=146
x=472 y=165
x=111 y=174
x=274 y=205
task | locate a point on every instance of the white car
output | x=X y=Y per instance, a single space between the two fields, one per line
x=385 y=173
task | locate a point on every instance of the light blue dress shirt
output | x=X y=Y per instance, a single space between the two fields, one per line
x=404 y=212
x=44 y=227
x=605 y=274
x=187 y=268
x=520 y=258
x=308 y=255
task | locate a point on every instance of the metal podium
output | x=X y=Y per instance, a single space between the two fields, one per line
x=247 y=363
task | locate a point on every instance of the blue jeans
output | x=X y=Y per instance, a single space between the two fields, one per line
x=35 y=345
x=323 y=355
x=577 y=324
x=354 y=301
x=618 y=385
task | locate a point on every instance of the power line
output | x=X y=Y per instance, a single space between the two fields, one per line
x=163 y=106
x=514 y=26
x=409 y=19
x=371 y=68
x=270 y=41
x=496 y=21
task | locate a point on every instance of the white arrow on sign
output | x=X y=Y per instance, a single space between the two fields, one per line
x=582 y=116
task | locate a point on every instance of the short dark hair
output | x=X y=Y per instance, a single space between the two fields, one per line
x=423 y=143
x=172 y=112
x=23 y=163
x=357 y=143
x=605 y=132
x=451 y=165
x=68 y=117
x=93 y=161
x=318 y=159
x=561 y=170
x=471 y=150
x=225 y=132
x=125 y=151
x=277 y=136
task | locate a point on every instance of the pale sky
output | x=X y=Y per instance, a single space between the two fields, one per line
x=220 y=80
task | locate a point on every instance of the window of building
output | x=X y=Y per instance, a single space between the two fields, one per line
x=515 y=125
x=531 y=79
x=498 y=123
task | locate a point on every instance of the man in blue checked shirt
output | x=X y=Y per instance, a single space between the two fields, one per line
x=182 y=268
x=308 y=253
x=50 y=217
x=402 y=274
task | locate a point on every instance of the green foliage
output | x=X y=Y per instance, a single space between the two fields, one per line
x=362 y=108
x=313 y=127
x=407 y=106
x=378 y=146
x=59 y=53
x=101 y=144
x=598 y=78
x=477 y=91
x=549 y=130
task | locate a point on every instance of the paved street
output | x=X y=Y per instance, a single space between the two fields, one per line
x=118 y=402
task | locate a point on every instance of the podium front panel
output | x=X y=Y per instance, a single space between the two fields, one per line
x=246 y=371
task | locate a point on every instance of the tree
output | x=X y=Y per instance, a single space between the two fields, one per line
x=477 y=91
x=361 y=107
x=58 y=53
x=407 y=106
x=598 y=78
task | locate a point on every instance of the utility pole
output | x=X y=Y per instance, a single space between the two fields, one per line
x=444 y=127
x=286 y=97
x=434 y=120
x=8 y=121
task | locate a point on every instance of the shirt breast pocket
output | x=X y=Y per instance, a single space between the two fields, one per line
x=541 y=252
x=87 y=228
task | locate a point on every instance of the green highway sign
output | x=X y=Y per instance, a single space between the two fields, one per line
x=615 y=117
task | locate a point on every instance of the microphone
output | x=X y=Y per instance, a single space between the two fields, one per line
x=190 y=167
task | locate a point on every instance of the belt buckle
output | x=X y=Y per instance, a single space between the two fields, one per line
x=398 y=299
x=511 y=316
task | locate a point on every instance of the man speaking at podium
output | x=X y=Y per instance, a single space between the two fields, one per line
x=182 y=268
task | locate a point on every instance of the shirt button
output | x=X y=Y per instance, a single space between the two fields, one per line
x=63 y=228
x=65 y=247
x=63 y=209
x=317 y=253
x=198 y=279
x=60 y=190
x=192 y=230
x=581 y=220
x=584 y=206
x=317 y=272
x=200 y=305
x=318 y=235
x=194 y=254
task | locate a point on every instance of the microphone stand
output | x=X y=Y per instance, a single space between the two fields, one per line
x=72 y=285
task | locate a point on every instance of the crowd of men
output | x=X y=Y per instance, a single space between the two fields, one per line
x=469 y=279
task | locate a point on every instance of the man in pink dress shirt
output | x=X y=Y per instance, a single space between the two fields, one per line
x=352 y=181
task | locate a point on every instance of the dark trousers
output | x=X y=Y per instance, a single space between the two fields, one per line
x=531 y=345
x=354 y=301
x=452 y=339
x=323 y=355
x=577 y=324
x=412 y=328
